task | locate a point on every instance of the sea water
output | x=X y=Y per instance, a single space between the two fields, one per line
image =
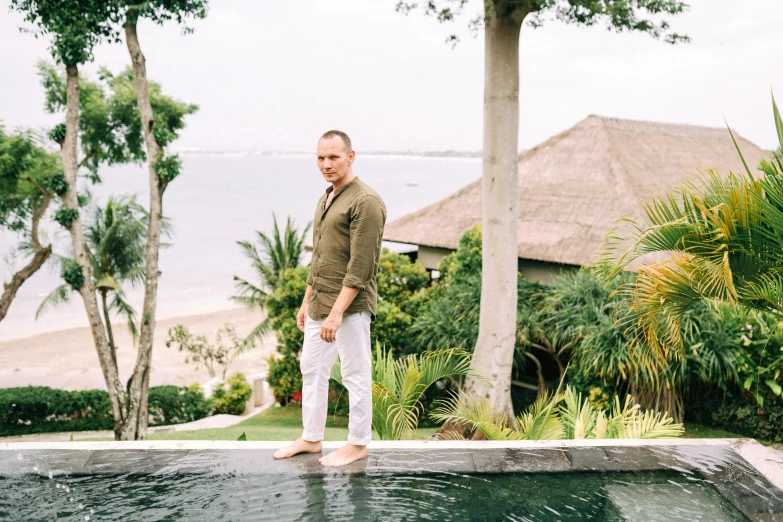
x=217 y=201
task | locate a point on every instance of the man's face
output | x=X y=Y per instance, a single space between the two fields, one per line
x=333 y=161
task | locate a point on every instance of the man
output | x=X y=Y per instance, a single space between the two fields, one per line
x=340 y=302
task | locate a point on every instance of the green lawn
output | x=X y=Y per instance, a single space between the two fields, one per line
x=273 y=424
x=697 y=431
x=286 y=424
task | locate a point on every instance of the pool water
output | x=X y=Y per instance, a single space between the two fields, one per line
x=609 y=496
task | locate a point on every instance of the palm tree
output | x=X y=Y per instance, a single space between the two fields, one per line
x=726 y=233
x=116 y=239
x=398 y=385
x=560 y=415
x=269 y=258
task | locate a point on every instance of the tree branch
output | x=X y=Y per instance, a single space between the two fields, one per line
x=37 y=215
x=89 y=155
x=30 y=180
x=525 y=385
x=10 y=289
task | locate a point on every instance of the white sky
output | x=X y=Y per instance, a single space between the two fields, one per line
x=274 y=75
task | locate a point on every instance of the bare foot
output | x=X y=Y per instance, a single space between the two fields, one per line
x=297 y=447
x=345 y=455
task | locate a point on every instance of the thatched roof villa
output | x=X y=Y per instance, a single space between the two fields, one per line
x=574 y=186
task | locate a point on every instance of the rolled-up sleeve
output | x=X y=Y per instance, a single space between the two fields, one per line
x=367 y=219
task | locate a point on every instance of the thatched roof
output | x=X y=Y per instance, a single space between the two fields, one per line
x=574 y=186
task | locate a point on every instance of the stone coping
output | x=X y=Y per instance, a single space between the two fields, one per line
x=744 y=471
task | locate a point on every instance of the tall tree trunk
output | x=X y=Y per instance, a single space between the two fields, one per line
x=494 y=353
x=136 y=427
x=41 y=254
x=68 y=153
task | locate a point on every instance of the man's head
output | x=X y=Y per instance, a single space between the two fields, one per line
x=335 y=157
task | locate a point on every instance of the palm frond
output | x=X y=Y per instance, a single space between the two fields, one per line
x=744 y=163
x=437 y=365
x=256 y=335
x=57 y=297
x=126 y=311
x=651 y=425
x=727 y=235
x=540 y=421
x=473 y=410
x=577 y=416
x=248 y=294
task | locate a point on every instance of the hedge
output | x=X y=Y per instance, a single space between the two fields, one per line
x=739 y=415
x=40 y=409
x=232 y=396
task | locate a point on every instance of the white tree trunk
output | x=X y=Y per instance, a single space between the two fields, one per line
x=68 y=153
x=494 y=353
x=136 y=426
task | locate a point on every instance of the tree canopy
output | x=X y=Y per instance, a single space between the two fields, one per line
x=646 y=16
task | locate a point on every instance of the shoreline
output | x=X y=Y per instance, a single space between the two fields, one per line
x=119 y=325
x=67 y=359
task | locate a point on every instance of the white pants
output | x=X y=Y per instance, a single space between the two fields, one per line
x=352 y=344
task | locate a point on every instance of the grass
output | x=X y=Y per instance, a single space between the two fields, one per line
x=283 y=424
x=275 y=424
x=698 y=431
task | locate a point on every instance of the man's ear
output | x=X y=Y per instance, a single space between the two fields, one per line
x=351 y=157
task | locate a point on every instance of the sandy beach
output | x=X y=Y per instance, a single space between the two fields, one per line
x=67 y=359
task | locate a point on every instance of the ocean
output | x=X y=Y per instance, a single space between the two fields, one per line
x=217 y=201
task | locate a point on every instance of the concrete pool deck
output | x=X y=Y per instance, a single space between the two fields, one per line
x=749 y=475
x=750 y=465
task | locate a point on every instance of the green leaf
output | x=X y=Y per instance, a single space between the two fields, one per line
x=775 y=387
x=748 y=382
x=778 y=122
x=242 y=437
x=736 y=146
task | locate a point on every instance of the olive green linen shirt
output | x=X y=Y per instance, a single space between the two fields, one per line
x=347 y=239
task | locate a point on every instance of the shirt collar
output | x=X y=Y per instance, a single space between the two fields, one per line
x=329 y=189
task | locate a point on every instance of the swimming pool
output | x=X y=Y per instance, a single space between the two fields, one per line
x=524 y=481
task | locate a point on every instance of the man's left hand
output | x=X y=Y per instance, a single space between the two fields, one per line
x=330 y=327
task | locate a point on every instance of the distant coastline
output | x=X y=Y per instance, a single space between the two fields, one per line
x=401 y=153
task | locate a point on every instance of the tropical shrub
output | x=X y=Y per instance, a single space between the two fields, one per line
x=401 y=286
x=399 y=384
x=760 y=360
x=399 y=279
x=724 y=232
x=402 y=292
x=177 y=405
x=116 y=236
x=282 y=305
x=284 y=376
x=214 y=357
x=269 y=258
x=232 y=396
x=40 y=409
x=451 y=317
x=578 y=315
x=740 y=415
x=561 y=415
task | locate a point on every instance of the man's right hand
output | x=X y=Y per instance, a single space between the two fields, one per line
x=301 y=317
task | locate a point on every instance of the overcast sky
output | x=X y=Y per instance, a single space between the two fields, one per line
x=272 y=75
